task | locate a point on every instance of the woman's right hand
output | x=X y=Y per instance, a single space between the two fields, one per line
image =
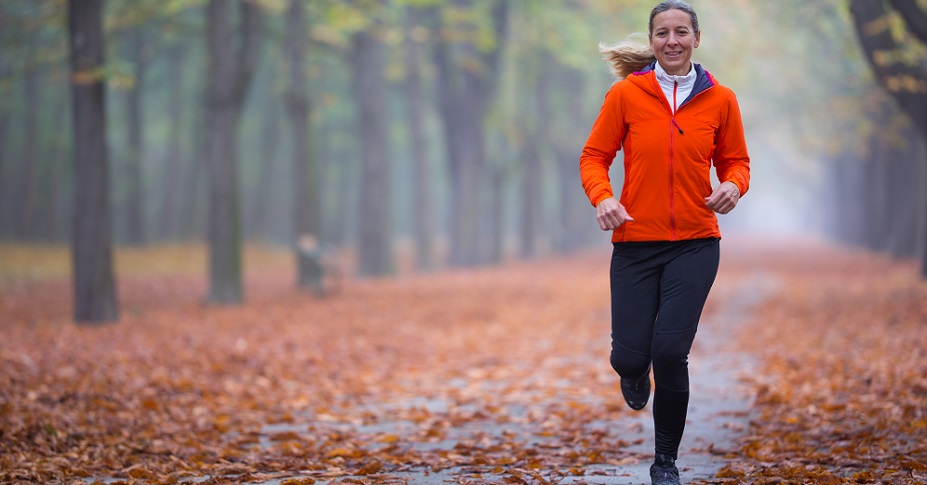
x=611 y=214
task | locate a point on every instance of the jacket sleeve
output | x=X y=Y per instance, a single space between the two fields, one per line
x=603 y=143
x=731 y=159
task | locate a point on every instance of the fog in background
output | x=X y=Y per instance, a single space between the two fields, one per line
x=478 y=161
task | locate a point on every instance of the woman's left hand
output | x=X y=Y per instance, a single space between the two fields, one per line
x=724 y=198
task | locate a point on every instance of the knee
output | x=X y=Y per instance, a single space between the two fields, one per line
x=671 y=369
x=671 y=359
x=629 y=365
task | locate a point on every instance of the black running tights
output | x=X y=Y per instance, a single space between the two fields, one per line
x=658 y=291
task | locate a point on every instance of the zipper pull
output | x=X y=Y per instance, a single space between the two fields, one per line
x=677 y=126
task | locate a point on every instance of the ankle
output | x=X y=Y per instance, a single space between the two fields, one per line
x=664 y=460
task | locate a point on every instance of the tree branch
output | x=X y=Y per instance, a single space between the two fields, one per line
x=914 y=17
x=905 y=83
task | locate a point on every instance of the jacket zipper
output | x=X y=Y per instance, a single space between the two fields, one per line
x=672 y=157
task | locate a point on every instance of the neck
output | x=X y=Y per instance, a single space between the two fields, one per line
x=680 y=72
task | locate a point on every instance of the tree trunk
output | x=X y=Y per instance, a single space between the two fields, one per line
x=174 y=166
x=465 y=92
x=307 y=221
x=258 y=218
x=134 y=213
x=229 y=74
x=532 y=214
x=26 y=197
x=575 y=217
x=6 y=196
x=905 y=197
x=858 y=204
x=875 y=218
x=851 y=188
x=194 y=201
x=501 y=174
x=57 y=204
x=370 y=92
x=94 y=285
x=875 y=37
x=422 y=172
x=462 y=118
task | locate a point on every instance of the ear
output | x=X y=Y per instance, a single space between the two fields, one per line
x=698 y=38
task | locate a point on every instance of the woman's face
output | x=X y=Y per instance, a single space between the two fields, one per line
x=672 y=41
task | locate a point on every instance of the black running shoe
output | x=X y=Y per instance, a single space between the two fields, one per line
x=636 y=392
x=664 y=471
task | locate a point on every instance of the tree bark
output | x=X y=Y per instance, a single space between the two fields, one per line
x=370 y=92
x=230 y=72
x=94 y=284
x=422 y=170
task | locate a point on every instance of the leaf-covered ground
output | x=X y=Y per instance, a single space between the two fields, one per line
x=491 y=375
x=842 y=395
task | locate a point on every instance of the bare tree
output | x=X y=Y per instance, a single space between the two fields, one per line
x=231 y=66
x=94 y=284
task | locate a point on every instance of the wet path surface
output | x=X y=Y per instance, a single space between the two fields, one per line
x=517 y=389
x=719 y=411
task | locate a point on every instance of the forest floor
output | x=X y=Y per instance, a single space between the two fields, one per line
x=810 y=367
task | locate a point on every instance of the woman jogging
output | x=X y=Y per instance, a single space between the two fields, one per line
x=673 y=120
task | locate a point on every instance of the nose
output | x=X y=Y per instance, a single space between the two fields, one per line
x=672 y=40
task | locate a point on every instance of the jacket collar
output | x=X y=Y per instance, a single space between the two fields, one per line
x=703 y=80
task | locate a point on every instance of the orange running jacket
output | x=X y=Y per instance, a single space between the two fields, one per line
x=667 y=158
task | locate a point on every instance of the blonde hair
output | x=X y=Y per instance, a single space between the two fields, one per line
x=627 y=57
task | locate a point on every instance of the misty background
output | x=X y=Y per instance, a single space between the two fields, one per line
x=446 y=132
